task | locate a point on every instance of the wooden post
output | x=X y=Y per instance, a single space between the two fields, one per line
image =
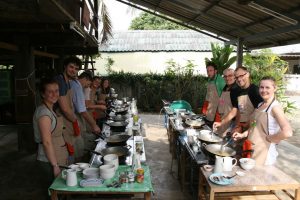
x=239 y=52
x=24 y=92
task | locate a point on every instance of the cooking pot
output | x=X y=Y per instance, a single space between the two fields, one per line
x=121 y=110
x=209 y=136
x=119 y=117
x=217 y=149
x=197 y=123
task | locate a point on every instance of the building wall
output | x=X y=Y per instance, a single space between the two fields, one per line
x=142 y=62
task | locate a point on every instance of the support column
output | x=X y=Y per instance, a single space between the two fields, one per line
x=239 y=52
x=24 y=92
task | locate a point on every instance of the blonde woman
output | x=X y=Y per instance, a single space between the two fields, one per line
x=268 y=125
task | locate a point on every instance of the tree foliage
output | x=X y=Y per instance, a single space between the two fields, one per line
x=221 y=56
x=147 y=21
x=266 y=63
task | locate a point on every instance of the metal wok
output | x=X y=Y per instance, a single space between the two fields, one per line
x=119 y=150
x=209 y=136
x=118 y=126
x=117 y=139
x=217 y=149
x=197 y=123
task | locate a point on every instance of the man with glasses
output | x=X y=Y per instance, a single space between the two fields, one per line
x=225 y=101
x=214 y=89
x=244 y=101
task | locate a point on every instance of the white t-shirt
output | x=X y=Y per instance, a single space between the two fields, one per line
x=273 y=128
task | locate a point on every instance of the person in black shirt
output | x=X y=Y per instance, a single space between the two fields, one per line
x=244 y=100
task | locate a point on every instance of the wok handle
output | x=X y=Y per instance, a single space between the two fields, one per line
x=92 y=151
x=128 y=146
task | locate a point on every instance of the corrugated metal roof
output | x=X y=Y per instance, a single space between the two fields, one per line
x=158 y=40
x=259 y=24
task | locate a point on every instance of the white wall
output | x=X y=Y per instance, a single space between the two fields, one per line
x=142 y=62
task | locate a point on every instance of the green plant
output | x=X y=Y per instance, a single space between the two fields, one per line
x=182 y=76
x=220 y=56
x=266 y=63
x=108 y=65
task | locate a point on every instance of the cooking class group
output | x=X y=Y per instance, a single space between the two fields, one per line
x=91 y=141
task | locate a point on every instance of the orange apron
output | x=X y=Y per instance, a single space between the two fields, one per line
x=257 y=135
x=213 y=98
x=224 y=107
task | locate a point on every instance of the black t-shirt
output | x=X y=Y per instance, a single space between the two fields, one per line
x=251 y=91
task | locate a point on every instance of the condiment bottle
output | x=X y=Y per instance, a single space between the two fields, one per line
x=140 y=175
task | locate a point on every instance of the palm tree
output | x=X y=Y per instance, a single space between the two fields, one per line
x=221 y=56
x=106 y=31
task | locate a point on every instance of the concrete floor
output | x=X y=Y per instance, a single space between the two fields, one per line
x=19 y=179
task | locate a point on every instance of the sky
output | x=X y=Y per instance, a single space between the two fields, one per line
x=121 y=16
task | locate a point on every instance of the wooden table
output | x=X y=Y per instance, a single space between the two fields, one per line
x=257 y=181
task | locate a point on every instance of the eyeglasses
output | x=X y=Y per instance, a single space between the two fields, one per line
x=228 y=76
x=241 y=76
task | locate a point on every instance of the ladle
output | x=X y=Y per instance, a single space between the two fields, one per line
x=224 y=145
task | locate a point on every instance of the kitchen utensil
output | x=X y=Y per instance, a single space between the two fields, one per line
x=215 y=149
x=70 y=176
x=90 y=173
x=218 y=178
x=119 y=150
x=229 y=177
x=111 y=159
x=197 y=123
x=247 y=163
x=229 y=163
x=218 y=164
x=209 y=136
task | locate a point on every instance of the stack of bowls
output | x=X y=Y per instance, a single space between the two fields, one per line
x=111 y=159
x=107 y=171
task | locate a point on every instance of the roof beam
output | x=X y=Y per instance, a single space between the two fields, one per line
x=278 y=10
x=263 y=20
x=272 y=32
x=185 y=24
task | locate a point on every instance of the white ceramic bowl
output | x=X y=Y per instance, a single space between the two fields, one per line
x=83 y=166
x=107 y=169
x=91 y=173
x=247 y=163
x=111 y=159
x=107 y=175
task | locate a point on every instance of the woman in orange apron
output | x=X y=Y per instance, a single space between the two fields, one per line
x=48 y=128
x=268 y=125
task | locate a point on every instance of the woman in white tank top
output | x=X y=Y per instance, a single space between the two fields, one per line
x=278 y=126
